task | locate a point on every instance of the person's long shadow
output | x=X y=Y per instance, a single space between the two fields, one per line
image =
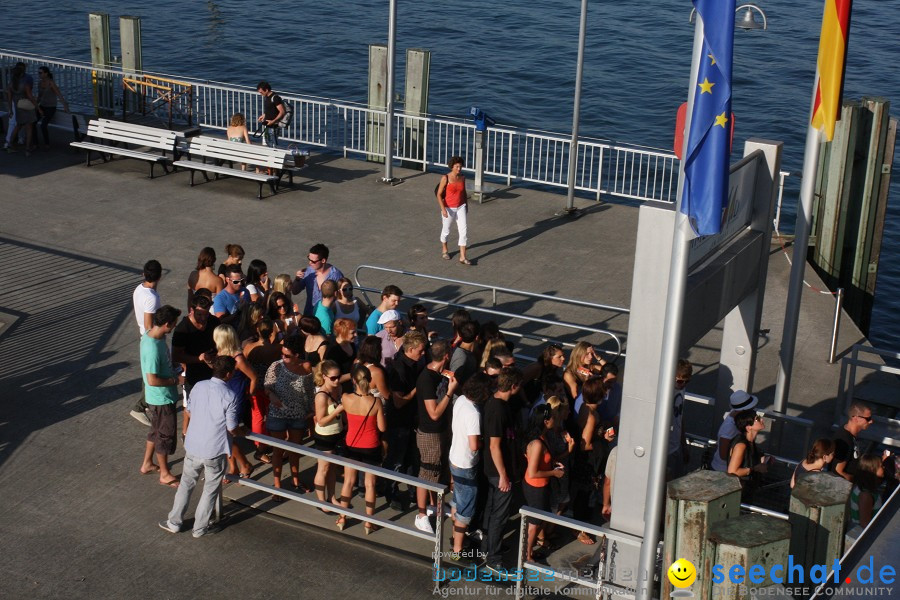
x=529 y=233
x=53 y=352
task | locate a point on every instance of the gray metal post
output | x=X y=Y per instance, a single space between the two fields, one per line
x=656 y=481
x=836 y=327
x=801 y=243
x=576 y=113
x=479 y=165
x=389 y=117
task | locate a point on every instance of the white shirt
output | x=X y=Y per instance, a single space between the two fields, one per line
x=466 y=422
x=727 y=430
x=146 y=300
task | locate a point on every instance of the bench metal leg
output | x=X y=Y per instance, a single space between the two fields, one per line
x=259 y=195
x=272 y=185
x=192 y=178
x=152 y=164
x=88 y=157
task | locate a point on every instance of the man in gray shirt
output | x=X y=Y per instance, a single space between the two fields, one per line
x=210 y=416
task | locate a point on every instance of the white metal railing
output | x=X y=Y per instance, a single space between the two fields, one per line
x=513 y=154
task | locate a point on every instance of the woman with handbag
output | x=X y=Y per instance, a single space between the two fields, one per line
x=329 y=429
x=451 y=197
x=365 y=424
x=22 y=102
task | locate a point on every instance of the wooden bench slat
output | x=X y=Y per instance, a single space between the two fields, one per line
x=211 y=168
x=122 y=151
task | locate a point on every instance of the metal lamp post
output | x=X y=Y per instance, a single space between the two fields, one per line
x=389 y=109
x=576 y=115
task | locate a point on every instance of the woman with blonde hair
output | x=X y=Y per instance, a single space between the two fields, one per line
x=329 y=429
x=580 y=368
x=282 y=283
x=243 y=380
x=489 y=348
x=250 y=318
x=365 y=424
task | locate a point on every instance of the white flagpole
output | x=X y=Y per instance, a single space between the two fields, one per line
x=801 y=245
x=656 y=483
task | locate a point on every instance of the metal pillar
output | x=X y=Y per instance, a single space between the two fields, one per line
x=389 y=117
x=576 y=114
x=656 y=481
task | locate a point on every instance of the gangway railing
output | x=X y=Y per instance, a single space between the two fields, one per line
x=847 y=389
x=499 y=313
x=334 y=459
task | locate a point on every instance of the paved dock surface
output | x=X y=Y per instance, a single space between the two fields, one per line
x=77 y=520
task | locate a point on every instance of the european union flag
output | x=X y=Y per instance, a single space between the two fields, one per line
x=706 y=161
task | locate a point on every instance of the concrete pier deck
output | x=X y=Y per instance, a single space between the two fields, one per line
x=77 y=519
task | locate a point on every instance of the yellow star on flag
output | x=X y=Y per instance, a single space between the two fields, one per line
x=706 y=86
x=721 y=120
x=712 y=59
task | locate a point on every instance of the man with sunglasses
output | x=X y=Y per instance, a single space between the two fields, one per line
x=846 y=446
x=312 y=277
x=228 y=300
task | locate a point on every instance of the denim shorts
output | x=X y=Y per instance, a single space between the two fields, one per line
x=465 y=491
x=282 y=424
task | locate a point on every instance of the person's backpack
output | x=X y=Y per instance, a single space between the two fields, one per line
x=288 y=115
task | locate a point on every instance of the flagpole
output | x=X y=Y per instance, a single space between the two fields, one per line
x=801 y=245
x=656 y=481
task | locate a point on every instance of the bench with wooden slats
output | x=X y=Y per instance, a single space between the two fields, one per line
x=215 y=152
x=105 y=135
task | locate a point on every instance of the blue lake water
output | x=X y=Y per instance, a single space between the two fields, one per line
x=517 y=61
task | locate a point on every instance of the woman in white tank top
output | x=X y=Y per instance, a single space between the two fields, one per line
x=348 y=307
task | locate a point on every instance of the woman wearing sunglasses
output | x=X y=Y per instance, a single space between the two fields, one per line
x=289 y=384
x=745 y=460
x=348 y=307
x=329 y=429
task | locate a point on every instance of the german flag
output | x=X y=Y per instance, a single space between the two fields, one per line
x=832 y=59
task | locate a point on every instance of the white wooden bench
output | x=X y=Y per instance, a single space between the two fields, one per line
x=274 y=163
x=104 y=134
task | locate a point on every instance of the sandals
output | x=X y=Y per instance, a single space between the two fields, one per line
x=371 y=527
x=341 y=522
x=445 y=256
x=465 y=261
x=585 y=539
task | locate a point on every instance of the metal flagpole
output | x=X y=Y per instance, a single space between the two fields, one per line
x=389 y=117
x=656 y=484
x=576 y=113
x=801 y=243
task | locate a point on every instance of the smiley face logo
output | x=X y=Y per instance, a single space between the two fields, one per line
x=682 y=573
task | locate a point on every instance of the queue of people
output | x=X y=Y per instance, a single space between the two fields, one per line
x=30 y=105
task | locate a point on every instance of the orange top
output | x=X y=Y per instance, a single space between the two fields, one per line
x=543 y=465
x=455 y=193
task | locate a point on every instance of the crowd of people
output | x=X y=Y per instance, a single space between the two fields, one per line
x=300 y=358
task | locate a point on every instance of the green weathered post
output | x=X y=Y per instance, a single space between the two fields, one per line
x=756 y=543
x=693 y=503
x=101 y=59
x=818 y=512
x=415 y=102
x=377 y=101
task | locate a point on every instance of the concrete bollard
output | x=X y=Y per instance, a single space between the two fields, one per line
x=753 y=542
x=693 y=503
x=818 y=514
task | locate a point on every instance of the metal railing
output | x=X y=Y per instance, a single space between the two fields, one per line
x=334 y=459
x=603 y=535
x=513 y=154
x=494 y=290
x=847 y=389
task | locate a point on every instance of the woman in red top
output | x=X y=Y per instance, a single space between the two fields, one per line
x=451 y=197
x=536 y=484
x=365 y=423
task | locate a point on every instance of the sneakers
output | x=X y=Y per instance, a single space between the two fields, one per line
x=140 y=417
x=423 y=523
x=463 y=560
x=497 y=570
x=166 y=526
x=475 y=535
x=212 y=529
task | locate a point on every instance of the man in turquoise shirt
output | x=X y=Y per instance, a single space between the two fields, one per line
x=161 y=393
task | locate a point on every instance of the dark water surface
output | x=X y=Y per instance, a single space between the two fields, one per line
x=517 y=61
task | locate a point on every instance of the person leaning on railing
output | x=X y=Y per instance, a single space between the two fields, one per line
x=745 y=460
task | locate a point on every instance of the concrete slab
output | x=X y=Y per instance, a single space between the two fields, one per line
x=76 y=518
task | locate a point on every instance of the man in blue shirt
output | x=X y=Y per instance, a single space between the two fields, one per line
x=390 y=299
x=312 y=277
x=226 y=302
x=211 y=415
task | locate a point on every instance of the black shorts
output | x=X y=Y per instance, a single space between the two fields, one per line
x=327 y=443
x=370 y=456
x=163 y=423
x=537 y=497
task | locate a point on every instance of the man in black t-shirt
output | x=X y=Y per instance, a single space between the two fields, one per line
x=846 y=447
x=434 y=391
x=401 y=413
x=192 y=341
x=498 y=428
x=273 y=112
